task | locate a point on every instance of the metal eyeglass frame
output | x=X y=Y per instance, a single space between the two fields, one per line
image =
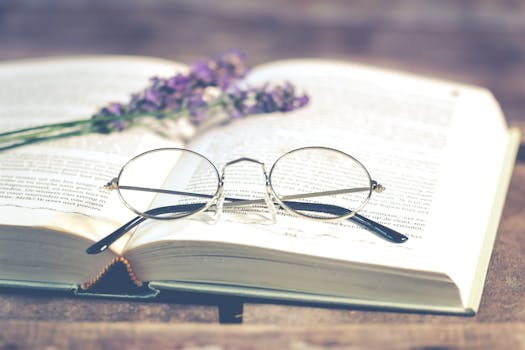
x=271 y=199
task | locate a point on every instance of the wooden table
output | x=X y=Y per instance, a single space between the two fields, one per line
x=478 y=41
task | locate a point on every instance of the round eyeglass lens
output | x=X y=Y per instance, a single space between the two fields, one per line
x=168 y=183
x=320 y=183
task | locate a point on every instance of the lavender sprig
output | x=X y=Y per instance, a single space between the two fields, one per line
x=211 y=86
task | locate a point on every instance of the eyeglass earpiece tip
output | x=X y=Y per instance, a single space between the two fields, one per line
x=94 y=249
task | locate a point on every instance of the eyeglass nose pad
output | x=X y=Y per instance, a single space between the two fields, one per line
x=270 y=204
x=218 y=206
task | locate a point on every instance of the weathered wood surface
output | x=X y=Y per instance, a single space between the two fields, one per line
x=62 y=335
x=478 y=41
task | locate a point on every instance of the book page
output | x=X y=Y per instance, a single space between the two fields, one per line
x=59 y=184
x=412 y=135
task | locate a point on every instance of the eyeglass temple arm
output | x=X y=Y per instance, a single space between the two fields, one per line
x=105 y=242
x=373 y=226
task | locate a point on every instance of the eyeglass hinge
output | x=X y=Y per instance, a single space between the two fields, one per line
x=112 y=185
x=377 y=187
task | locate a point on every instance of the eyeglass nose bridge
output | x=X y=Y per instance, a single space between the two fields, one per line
x=246 y=159
x=269 y=193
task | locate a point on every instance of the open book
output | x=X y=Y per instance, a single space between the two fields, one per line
x=441 y=149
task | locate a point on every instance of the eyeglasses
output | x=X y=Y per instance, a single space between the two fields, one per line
x=316 y=183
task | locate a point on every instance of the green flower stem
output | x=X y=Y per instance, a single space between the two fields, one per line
x=37 y=132
x=45 y=138
x=26 y=136
x=107 y=119
x=47 y=126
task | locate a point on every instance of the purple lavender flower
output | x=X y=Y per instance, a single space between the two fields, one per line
x=119 y=125
x=173 y=102
x=222 y=72
x=197 y=108
x=106 y=122
x=152 y=99
x=178 y=86
x=190 y=93
x=240 y=103
x=202 y=73
x=231 y=68
x=113 y=109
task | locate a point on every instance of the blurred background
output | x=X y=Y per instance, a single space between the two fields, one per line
x=472 y=41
